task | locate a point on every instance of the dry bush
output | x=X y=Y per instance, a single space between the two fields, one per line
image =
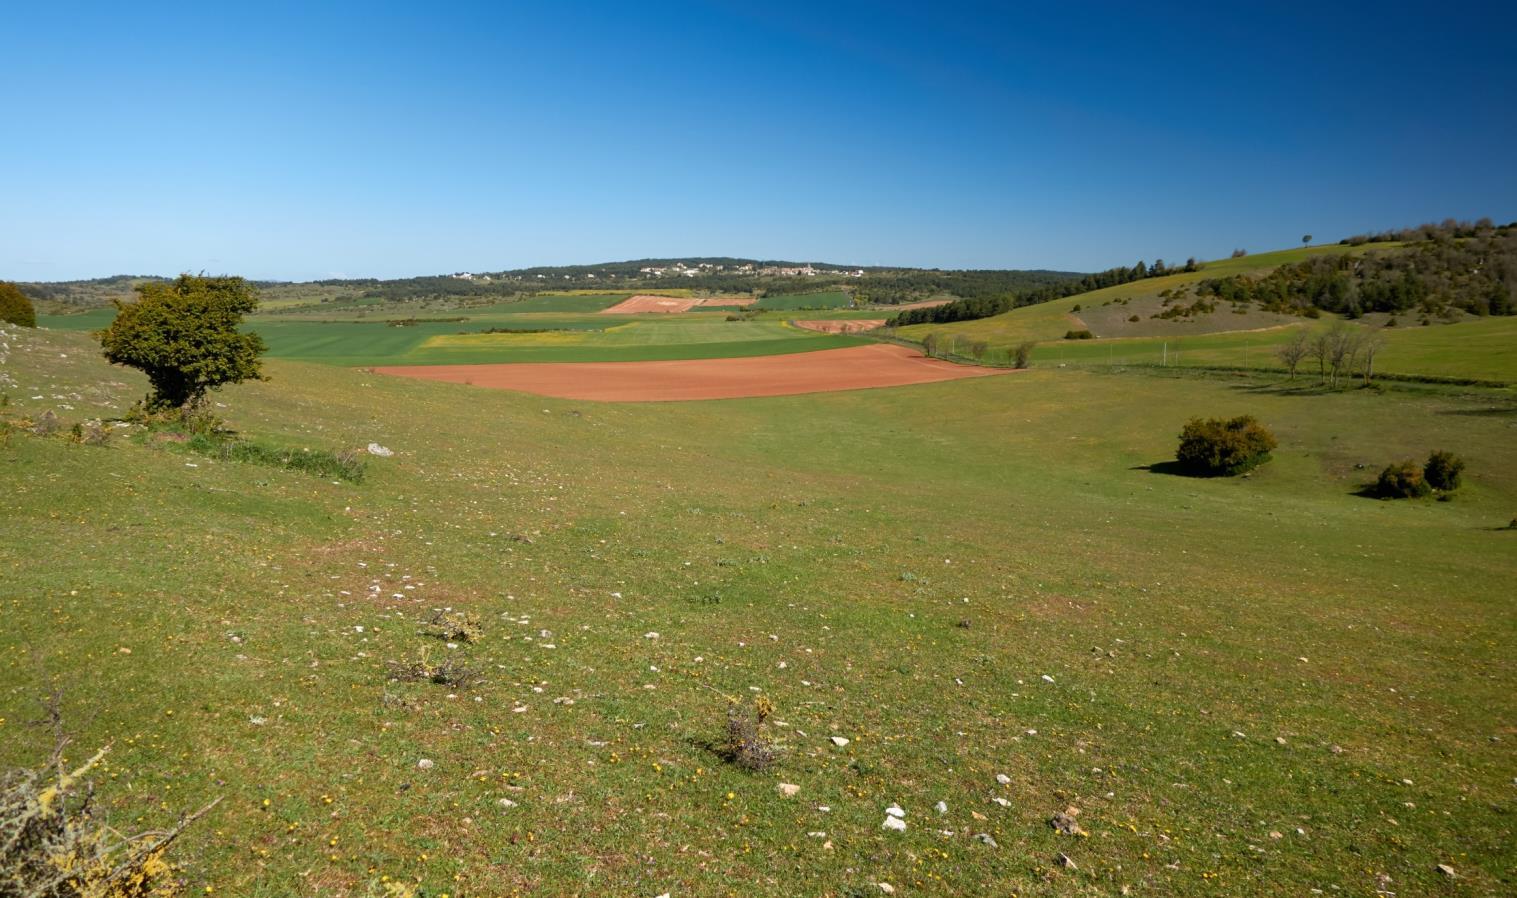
x=445 y=673
x=47 y=425
x=456 y=626
x=53 y=846
x=747 y=744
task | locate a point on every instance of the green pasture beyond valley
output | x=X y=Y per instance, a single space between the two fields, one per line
x=549 y=328
x=1253 y=686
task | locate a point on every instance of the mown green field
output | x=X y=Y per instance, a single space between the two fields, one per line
x=1253 y=686
x=787 y=302
x=1482 y=349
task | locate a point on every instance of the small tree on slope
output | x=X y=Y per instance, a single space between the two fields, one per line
x=184 y=336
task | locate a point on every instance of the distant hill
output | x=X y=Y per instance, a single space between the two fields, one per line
x=706 y=275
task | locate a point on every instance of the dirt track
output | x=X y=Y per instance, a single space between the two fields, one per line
x=854 y=368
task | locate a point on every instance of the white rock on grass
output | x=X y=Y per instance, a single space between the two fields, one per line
x=425 y=764
x=942 y=807
x=839 y=741
x=382 y=452
x=894 y=823
x=1003 y=779
x=895 y=810
x=789 y=790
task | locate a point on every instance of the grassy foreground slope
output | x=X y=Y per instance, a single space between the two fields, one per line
x=1257 y=686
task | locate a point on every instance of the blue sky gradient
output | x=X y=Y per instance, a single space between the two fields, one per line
x=276 y=141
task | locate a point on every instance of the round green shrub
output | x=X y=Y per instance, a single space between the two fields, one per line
x=1402 y=481
x=1214 y=447
x=1443 y=470
x=15 y=307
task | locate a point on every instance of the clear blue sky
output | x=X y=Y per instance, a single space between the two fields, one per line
x=317 y=140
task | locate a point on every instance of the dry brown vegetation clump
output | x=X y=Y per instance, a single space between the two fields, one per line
x=53 y=846
x=748 y=744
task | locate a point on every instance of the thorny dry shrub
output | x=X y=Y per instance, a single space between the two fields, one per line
x=456 y=626
x=424 y=670
x=47 y=425
x=747 y=744
x=53 y=846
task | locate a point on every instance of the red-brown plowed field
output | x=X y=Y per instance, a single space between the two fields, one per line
x=724 y=301
x=840 y=325
x=854 y=368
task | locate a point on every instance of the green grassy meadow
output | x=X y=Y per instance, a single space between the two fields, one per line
x=1252 y=686
x=789 y=302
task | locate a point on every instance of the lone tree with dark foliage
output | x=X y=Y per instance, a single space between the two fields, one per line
x=184 y=336
x=1216 y=448
x=15 y=307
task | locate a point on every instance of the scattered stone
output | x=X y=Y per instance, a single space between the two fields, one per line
x=650 y=635
x=1000 y=801
x=894 y=823
x=839 y=741
x=506 y=803
x=941 y=807
x=1446 y=870
x=382 y=452
x=1047 y=678
x=789 y=790
x=1065 y=861
x=1279 y=740
x=1003 y=779
x=886 y=887
x=425 y=764
x=895 y=811
x=985 y=838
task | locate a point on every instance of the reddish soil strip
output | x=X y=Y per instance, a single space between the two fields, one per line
x=841 y=325
x=854 y=368
x=633 y=305
x=728 y=301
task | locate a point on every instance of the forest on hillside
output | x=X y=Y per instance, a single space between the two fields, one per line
x=1454 y=267
x=992 y=303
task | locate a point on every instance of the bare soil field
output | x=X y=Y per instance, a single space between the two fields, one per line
x=643 y=303
x=920 y=304
x=841 y=325
x=854 y=368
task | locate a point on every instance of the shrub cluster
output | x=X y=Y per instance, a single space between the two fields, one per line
x=1213 y=447
x=1079 y=335
x=1409 y=480
x=15 y=307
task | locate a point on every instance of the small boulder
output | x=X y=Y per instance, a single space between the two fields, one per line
x=789 y=790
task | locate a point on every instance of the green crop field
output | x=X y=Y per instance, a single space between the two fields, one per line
x=1254 y=686
x=786 y=302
